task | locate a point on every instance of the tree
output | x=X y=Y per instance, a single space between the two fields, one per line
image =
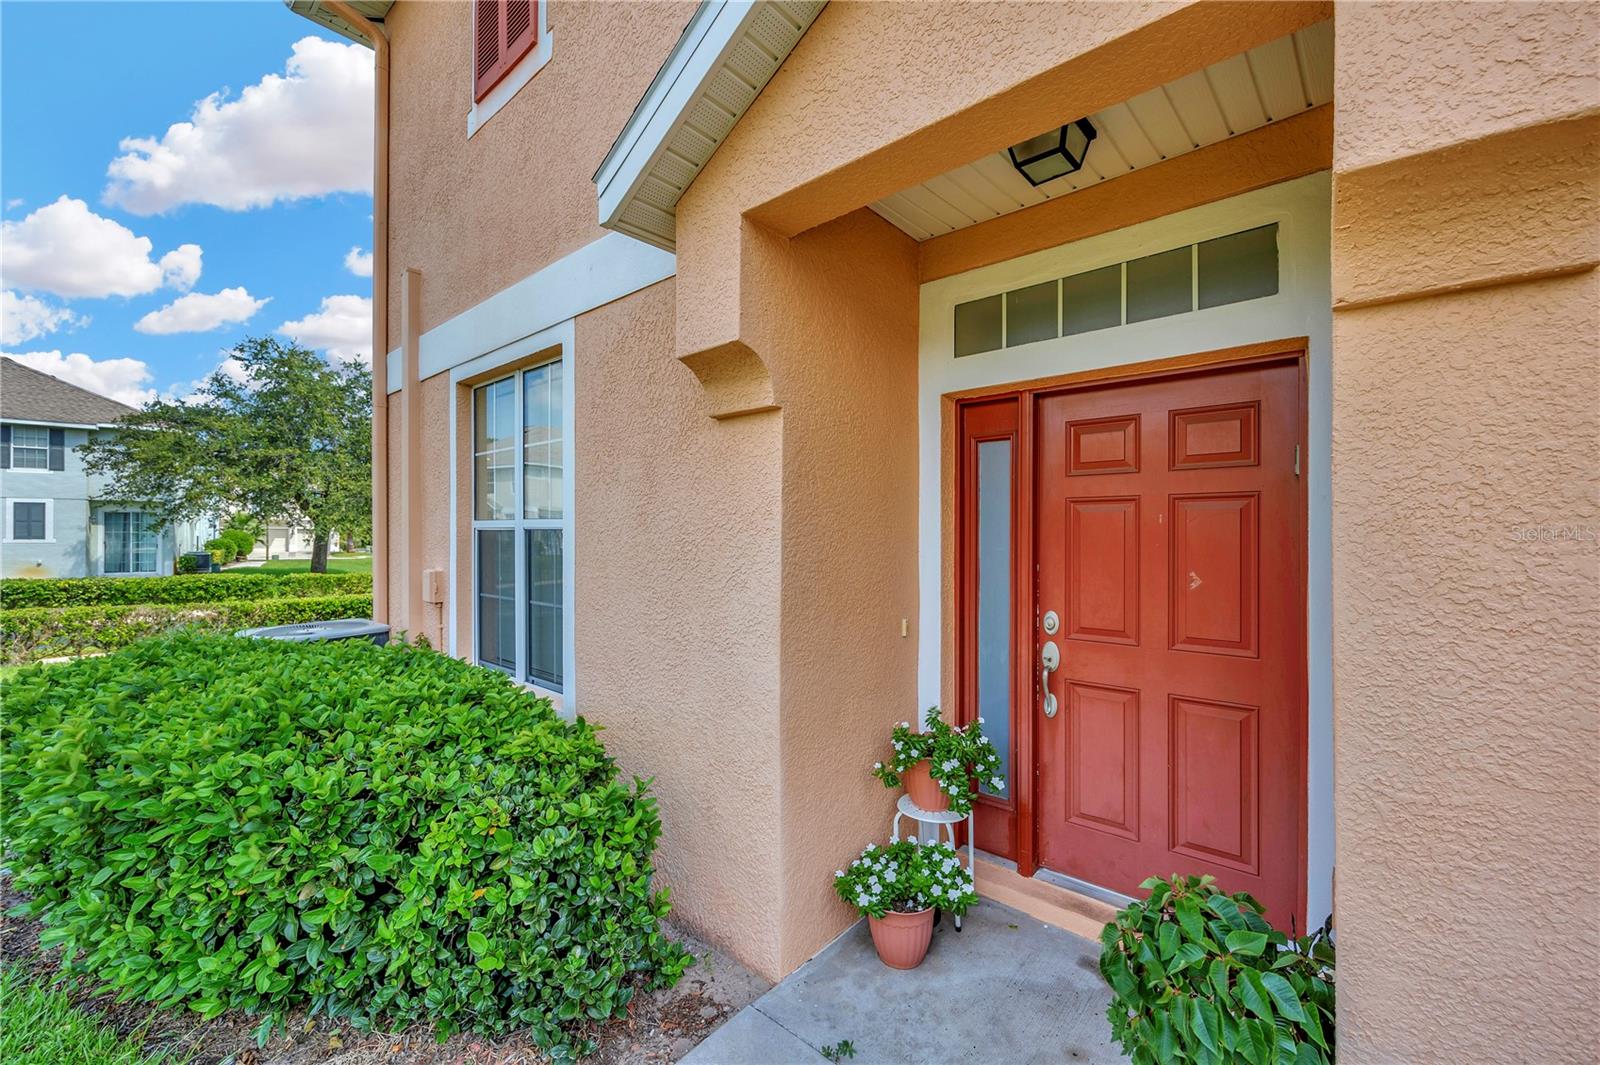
x=287 y=437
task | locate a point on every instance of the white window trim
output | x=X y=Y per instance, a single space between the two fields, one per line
x=561 y=335
x=481 y=111
x=15 y=447
x=106 y=554
x=49 y=521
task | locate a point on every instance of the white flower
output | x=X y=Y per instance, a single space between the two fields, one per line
x=937 y=890
x=998 y=783
x=890 y=876
x=905 y=724
x=877 y=765
x=980 y=719
x=837 y=873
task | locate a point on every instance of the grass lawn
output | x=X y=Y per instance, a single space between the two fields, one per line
x=336 y=564
x=43 y=1027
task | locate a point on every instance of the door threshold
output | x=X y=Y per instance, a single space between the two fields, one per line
x=1053 y=903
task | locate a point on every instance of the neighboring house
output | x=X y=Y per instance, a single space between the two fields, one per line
x=283 y=540
x=58 y=522
x=746 y=396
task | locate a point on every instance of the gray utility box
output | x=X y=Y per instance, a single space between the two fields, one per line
x=318 y=631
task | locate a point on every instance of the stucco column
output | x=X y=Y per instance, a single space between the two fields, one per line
x=1466 y=423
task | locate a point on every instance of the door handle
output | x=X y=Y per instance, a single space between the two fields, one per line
x=1050 y=658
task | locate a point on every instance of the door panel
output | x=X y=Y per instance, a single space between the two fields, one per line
x=1169 y=535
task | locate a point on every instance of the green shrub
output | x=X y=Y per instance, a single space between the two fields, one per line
x=1200 y=976
x=237 y=541
x=189 y=588
x=381 y=834
x=47 y=632
x=185 y=563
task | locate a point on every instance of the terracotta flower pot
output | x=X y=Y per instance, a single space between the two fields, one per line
x=902 y=938
x=923 y=789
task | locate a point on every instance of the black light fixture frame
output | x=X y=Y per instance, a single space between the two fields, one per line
x=1059 y=148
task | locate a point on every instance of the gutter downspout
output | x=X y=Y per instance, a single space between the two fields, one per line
x=380 y=302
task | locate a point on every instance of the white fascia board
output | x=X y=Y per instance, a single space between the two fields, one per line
x=596 y=274
x=716 y=29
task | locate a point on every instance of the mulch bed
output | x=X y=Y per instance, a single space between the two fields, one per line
x=661 y=1026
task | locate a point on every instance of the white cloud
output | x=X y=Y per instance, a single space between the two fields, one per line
x=67 y=249
x=307 y=132
x=124 y=380
x=180 y=267
x=189 y=394
x=14 y=202
x=199 y=312
x=22 y=318
x=358 y=262
x=342 y=327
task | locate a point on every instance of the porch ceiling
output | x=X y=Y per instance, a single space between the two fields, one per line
x=1275 y=81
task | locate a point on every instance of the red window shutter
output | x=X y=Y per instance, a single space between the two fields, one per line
x=504 y=32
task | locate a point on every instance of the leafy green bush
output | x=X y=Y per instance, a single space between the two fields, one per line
x=46 y=632
x=379 y=834
x=191 y=588
x=1200 y=976
x=237 y=541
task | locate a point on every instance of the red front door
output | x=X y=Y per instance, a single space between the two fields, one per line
x=1169 y=544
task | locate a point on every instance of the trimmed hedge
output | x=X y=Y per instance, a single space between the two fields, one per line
x=188 y=588
x=381 y=834
x=47 y=632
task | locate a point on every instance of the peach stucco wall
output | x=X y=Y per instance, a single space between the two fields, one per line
x=519 y=193
x=1466 y=574
x=677 y=538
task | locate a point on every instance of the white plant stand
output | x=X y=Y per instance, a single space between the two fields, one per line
x=906 y=808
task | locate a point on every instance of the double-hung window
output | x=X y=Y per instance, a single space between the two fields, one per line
x=30 y=447
x=130 y=542
x=519 y=524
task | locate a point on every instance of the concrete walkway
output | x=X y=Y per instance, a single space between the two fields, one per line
x=1005 y=989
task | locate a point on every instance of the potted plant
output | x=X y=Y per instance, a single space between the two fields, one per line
x=940 y=766
x=897 y=888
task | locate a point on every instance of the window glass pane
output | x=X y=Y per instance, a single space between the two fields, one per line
x=142 y=542
x=994 y=602
x=30 y=447
x=494 y=426
x=116 y=524
x=1031 y=314
x=544 y=606
x=541 y=441
x=497 y=602
x=1241 y=266
x=1159 y=285
x=1091 y=300
x=978 y=326
x=27 y=521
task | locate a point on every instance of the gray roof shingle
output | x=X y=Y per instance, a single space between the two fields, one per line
x=26 y=395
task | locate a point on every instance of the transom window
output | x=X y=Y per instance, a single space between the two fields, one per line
x=30 y=447
x=519 y=524
x=130 y=542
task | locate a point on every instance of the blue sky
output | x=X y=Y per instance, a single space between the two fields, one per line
x=271 y=182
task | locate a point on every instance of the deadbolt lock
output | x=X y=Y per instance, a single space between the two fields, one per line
x=1051 y=623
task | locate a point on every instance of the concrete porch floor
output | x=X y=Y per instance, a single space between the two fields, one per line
x=1006 y=988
